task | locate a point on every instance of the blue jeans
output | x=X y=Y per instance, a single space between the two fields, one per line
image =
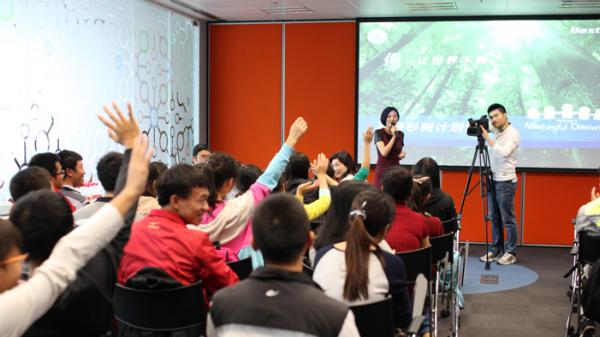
x=503 y=216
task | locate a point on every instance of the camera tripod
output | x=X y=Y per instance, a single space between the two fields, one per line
x=486 y=184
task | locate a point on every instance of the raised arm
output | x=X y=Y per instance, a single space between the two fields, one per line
x=319 y=206
x=365 y=165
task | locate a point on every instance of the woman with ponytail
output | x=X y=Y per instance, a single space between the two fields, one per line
x=356 y=271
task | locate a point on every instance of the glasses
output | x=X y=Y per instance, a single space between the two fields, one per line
x=14 y=259
x=58 y=173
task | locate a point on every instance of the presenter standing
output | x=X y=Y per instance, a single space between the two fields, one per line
x=503 y=161
x=389 y=141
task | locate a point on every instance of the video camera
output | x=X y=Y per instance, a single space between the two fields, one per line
x=474 y=126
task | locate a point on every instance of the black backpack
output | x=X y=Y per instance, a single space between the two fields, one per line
x=591 y=294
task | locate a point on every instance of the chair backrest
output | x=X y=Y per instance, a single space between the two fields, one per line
x=589 y=247
x=160 y=310
x=375 y=319
x=440 y=245
x=417 y=262
x=242 y=268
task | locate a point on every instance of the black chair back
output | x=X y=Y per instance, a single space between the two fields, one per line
x=375 y=319
x=160 y=310
x=589 y=247
x=417 y=262
x=440 y=245
x=242 y=268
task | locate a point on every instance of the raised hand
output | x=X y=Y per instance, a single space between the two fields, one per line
x=368 y=135
x=297 y=129
x=120 y=129
x=307 y=186
x=322 y=164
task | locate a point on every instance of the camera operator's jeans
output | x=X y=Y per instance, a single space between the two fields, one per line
x=504 y=213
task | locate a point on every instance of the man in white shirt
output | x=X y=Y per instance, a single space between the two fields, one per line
x=503 y=161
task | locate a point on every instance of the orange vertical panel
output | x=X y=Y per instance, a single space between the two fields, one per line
x=551 y=202
x=454 y=183
x=245 y=90
x=320 y=84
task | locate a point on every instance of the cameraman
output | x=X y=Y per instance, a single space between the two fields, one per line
x=503 y=160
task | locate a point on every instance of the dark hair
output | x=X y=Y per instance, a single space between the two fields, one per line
x=42 y=217
x=386 y=112
x=421 y=189
x=69 y=159
x=378 y=209
x=249 y=173
x=9 y=237
x=200 y=147
x=45 y=160
x=207 y=171
x=155 y=169
x=30 y=179
x=224 y=167
x=108 y=170
x=280 y=228
x=179 y=180
x=397 y=182
x=345 y=158
x=298 y=166
x=335 y=225
x=159 y=166
x=496 y=106
x=428 y=167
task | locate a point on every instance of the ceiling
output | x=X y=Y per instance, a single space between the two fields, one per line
x=269 y=10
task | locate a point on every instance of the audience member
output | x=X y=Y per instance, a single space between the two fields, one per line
x=279 y=299
x=588 y=215
x=108 y=171
x=419 y=195
x=356 y=271
x=296 y=172
x=200 y=153
x=29 y=179
x=72 y=164
x=147 y=201
x=23 y=304
x=343 y=165
x=51 y=163
x=440 y=203
x=408 y=230
x=318 y=207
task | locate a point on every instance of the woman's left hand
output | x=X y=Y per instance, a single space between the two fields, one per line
x=402 y=155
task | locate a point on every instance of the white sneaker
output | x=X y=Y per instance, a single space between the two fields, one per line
x=507 y=259
x=489 y=257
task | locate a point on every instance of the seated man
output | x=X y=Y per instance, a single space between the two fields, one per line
x=72 y=164
x=27 y=180
x=200 y=153
x=108 y=170
x=279 y=299
x=161 y=239
x=51 y=163
x=588 y=216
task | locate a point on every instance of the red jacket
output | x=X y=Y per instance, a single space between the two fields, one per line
x=407 y=230
x=162 y=240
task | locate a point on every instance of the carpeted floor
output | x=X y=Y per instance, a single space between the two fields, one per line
x=535 y=310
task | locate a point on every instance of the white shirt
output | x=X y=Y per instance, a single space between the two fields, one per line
x=25 y=303
x=503 y=155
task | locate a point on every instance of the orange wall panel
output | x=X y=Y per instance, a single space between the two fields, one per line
x=319 y=84
x=551 y=202
x=473 y=229
x=245 y=91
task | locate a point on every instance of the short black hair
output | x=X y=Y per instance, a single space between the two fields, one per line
x=42 y=217
x=108 y=170
x=428 y=167
x=398 y=183
x=280 y=228
x=496 y=106
x=9 y=238
x=179 y=180
x=224 y=167
x=69 y=159
x=200 y=147
x=45 y=160
x=30 y=179
x=249 y=173
x=386 y=112
x=298 y=166
x=345 y=158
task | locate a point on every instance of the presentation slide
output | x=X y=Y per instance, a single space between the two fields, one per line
x=62 y=60
x=438 y=74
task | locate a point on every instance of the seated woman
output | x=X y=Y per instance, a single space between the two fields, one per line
x=440 y=203
x=343 y=165
x=356 y=271
x=408 y=231
x=419 y=195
